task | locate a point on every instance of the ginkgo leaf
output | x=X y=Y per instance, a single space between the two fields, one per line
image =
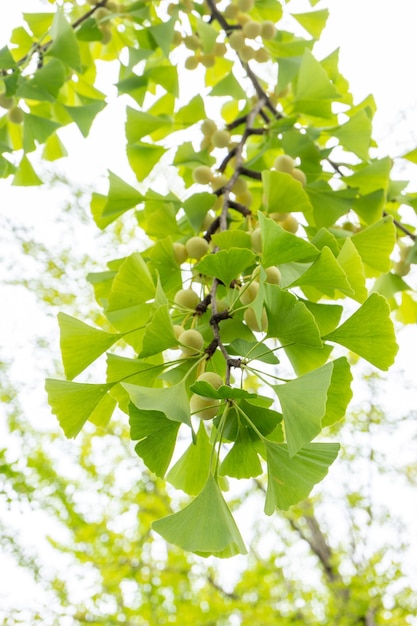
x=74 y=403
x=191 y=471
x=159 y=333
x=205 y=526
x=350 y=261
x=290 y=479
x=303 y=402
x=64 y=44
x=157 y=435
x=376 y=242
x=369 y=332
x=280 y=246
x=339 y=393
x=81 y=344
x=132 y=284
x=315 y=91
x=325 y=274
x=283 y=193
x=226 y=264
x=171 y=401
x=242 y=460
x=289 y=319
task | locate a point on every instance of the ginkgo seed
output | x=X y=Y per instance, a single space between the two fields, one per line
x=211 y=377
x=245 y=5
x=256 y=239
x=186 y=298
x=237 y=40
x=15 y=115
x=208 y=127
x=204 y=408
x=284 y=163
x=191 y=341
x=249 y=292
x=250 y=319
x=290 y=224
x=268 y=30
x=191 y=63
x=192 y=42
x=180 y=252
x=197 y=247
x=5 y=102
x=300 y=176
x=220 y=138
x=202 y=175
x=251 y=29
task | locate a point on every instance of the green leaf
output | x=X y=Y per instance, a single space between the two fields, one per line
x=159 y=333
x=191 y=471
x=290 y=479
x=242 y=460
x=163 y=34
x=266 y=420
x=196 y=207
x=371 y=206
x=313 y=22
x=139 y=124
x=410 y=156
x=37 y=130
x=171 y=401
x=229 y=87
x=339 y=394
x=325 y=274
x=226 y=265
x=6 y=59
x=132 y=284
x=81 y=344
x=314 y=91
x=64 y=42
x=39 y=23
x=369 y=332
x=280 y=246
x=157 y=436
x=327 y=316
x=138 y=371
x=253 y=351
x=232 y=239
x=208 y=35
x=376 y=243
x=191 y=113
x=355 y=135
x=103 y=411
x=143 y=157
x=224 y=392
x=25 y=175
x=85 y=115
x=371 y=177
x=328 y=204
x=74 y=403
x=205 y=526
x=289 y=320
x=282 y=193
x=350 y=261
x=307 y=358
x=54 y=149
x=268 y=10
x=303 y=402
x=121 y=197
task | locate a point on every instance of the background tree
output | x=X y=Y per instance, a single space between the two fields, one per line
x=210 y=280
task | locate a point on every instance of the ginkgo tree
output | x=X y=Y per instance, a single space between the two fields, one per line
x=228 y=336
